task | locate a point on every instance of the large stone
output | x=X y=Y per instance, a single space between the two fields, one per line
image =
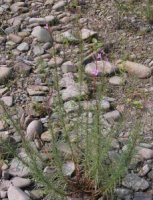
x=34 y=130
x=42 y=34
x=136 y=69
x=68 y=67
x=8 y=100
x=15 y=193
x=68 y=168
x=132 y=181
x=101 y=68
x=112 y=115
x=5 y=73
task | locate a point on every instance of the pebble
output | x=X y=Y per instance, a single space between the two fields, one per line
x=59 y=5
x=136 y=69
x=20 y=182
x=142 y=196
x=46 y=136
x=34 y=130
x=68 y=168
x=42 y=34
x=100 y=68
x=116 y=80
x=112 y=115
x=133 y=181
x=8 y=100
x=15 y=193
x=145 y=153
x=23 y=47
x=68 y=67
x=87 y=34
x=18 y=169
x=5 y=73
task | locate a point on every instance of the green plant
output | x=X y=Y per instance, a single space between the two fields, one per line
x=148 y=11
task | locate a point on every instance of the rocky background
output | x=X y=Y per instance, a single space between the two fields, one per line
x=37 y=35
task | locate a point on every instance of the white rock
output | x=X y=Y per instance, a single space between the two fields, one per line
x=116 y=80
x=59 y=5
x=15 y=193
x=8 y=100
x=68 y=168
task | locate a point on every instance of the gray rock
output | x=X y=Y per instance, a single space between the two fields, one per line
x=15 y=38
x=37 y=50
x=112 y=116
x=69 y=37
x=74 y=91
x=18 y=169
x=42 y=34
x=142 y=196
x=15 y=193
x=68 y=67
x=40 y=20
x=100 y=68
x=59 y=5
x=71 y=106
x=68 y=168
x=8 y=100
x=55 y=61
x=5 y=73
x=34 y=130
x=16 y=6
x=144 y=170
x=87 y=34
x=122 y=192
x=132 y=181
x=20 y=182
x=23 y=47
x=5 y=184
x=50 y=19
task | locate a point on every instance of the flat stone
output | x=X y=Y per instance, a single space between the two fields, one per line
x=5 y=184
x=74 y=91
x=100 y=68
x=59 y=5
x=22 y=68
x=68 y=67
x=35 y=90
x=112 y=115
x=132 y=181
x=8 y=100
x=20 y=182
x=116 y=80
x=15 y=193
x=68 y=36
x=16 y=6
x=142 y=196
x=42 y=34
x=136 y=69
x=38 y=50
x=23 y=47
x=34 y=130
x=39 y=20
x=5 y=73
x=15 y=38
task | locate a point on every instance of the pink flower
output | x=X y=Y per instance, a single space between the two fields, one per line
x=95 y=72
x=46 y=26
